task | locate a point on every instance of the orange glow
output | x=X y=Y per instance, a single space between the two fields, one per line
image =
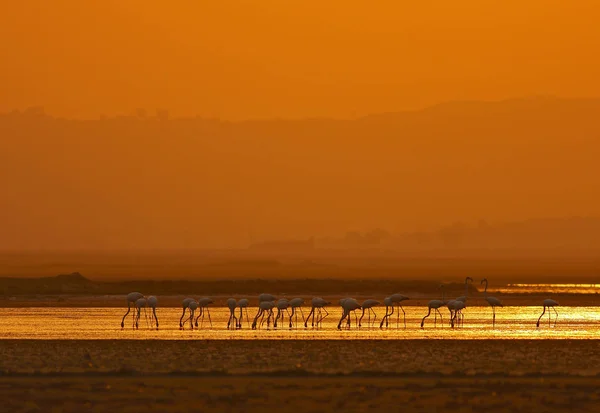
x=131 y=179
x=249 y=59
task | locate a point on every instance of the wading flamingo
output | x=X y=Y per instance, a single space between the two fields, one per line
x=318 y=305
x=435 y=305
x=368 y=306
x=184 y=304
x=139 y=304
x=463 y=298
x=493 y=301
x=263 y=307
x=204 y=302
x=243 y=304
x=232 y=304
x=397 y=300
x=348 y=305
x=282 y=305
x=550 y=304
x=458 y=315
x=152 y=303
x=387 y=301
x=296 y=303
x=266 y=297
x=131 y=299
x=193 y=306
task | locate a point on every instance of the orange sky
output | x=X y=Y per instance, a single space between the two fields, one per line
x=273 y=58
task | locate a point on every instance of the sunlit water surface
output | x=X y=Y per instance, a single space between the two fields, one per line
x=104 y=323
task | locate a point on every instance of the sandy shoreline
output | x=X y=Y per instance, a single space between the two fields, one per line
x=456 y=358
x=308 y=375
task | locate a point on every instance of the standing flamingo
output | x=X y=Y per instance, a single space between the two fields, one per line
x=348 y=305
x=266 y=297
x=243 y=304
x=318 y=304
x=435 y=305
x=387 y=301
x=397 y=300
x=459 y=318
x=368 y=306
x=282 y=305
x=152 y=303
x=192 y=306
x=296 y=303
x=131 y=299
x=232 y=304
x=463 y=299
x=184 y=304
x=550 y=304
x=263 y=307
x=139 y=304
x=203 y=303
x=493 y=301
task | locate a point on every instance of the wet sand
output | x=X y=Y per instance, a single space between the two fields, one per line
x=312 y=375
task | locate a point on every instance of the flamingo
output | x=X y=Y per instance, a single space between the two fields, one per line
x=550 y=304
x=232 y=304
x=184 y=304
x=368 y=306
x=296 y=303
x=463 y=299
x=282 y=304
x=435 y=305
x=387 y=301
x=493 y=301
x=243 y=304
x=318 y=304
x=266 y=297
x=263 y=307
x=396 y=300
x=192 y=306
x=458 y=315
x=131 y=299
x=204 y=302
x=152 y=303
x=139 y=304
x=348 y=305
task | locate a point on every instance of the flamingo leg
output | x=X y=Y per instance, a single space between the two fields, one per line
x=199 y=314
x=403 y=312
x=423 y=320
x=208 y=312
x=374 y=315
x=538 y=321
x=494 y=316
x=341 y=319
x=361 y=317
x=125 y=316
x=181 y=318
x=229 y=320
x=323 y=317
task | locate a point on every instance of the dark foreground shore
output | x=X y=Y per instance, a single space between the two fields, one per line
x=309 y=375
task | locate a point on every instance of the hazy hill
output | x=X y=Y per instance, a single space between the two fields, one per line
x=151 y=182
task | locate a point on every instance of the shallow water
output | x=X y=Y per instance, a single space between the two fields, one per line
x=104 y=323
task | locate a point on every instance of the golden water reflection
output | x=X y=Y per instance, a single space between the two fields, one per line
x=548 y=288
x=104 y=323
